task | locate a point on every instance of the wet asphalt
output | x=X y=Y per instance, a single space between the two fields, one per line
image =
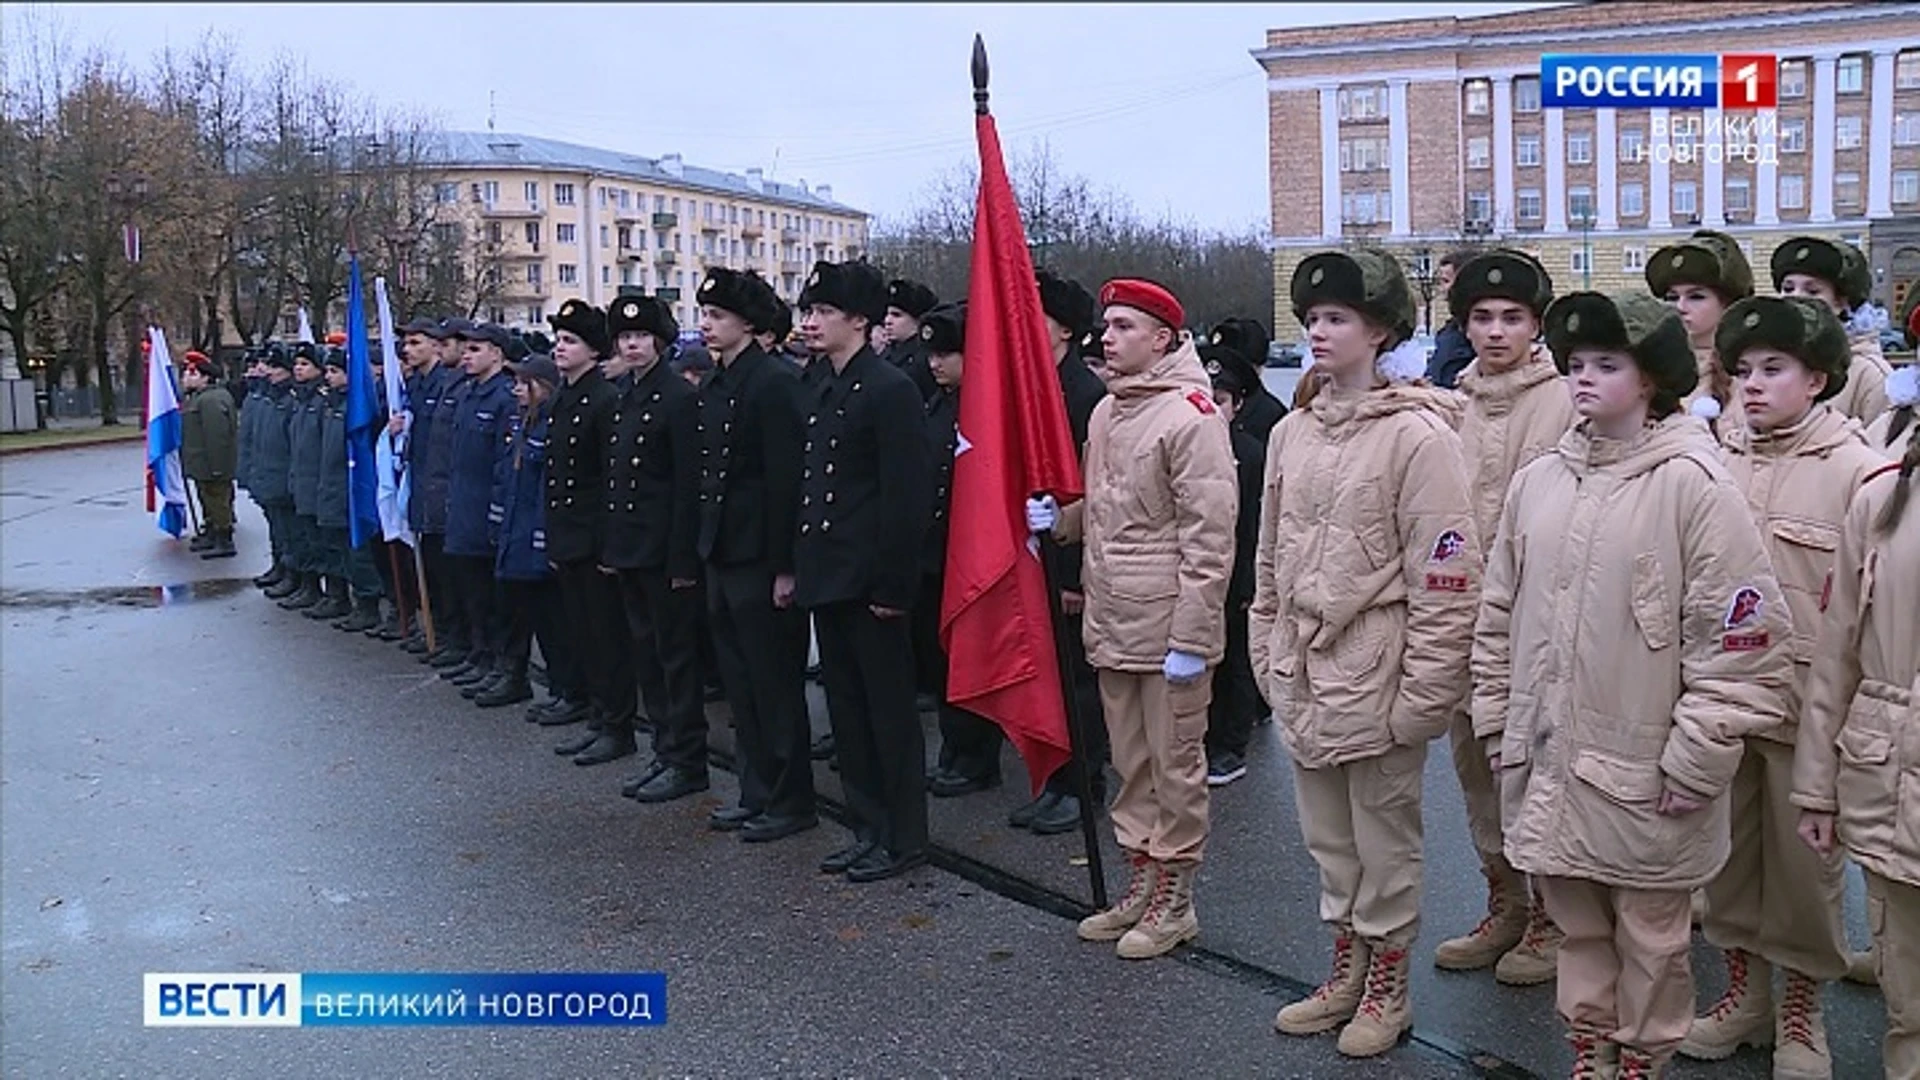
x=193 y=780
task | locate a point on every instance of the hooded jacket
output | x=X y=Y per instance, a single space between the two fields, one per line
x=1631 y=636
x=1367 y=574
x=1158 y=518
x=1865 y=396
x=208 y=428
x=1798 y=481
x=1859 y=744
x=1510 y=418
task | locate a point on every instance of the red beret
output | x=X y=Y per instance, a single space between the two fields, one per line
x=1146 y=296
x=338 y=337
x=195 y=356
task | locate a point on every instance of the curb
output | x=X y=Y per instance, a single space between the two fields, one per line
x=132 y=434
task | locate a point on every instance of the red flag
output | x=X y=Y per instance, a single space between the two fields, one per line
x=1013 y=442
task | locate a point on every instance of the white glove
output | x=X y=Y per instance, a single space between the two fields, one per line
x=1182 y=668
x=1043 y=514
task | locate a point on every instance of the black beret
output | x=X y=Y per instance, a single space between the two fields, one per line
x=1500 y=274
x=1065 y=301
x=911 y=297
x=1634 y=323
x=1799 y=326
x=1838 y=263
x=744 y=293
x=856 y=288
x=1708 y=258
x=584 y=321
x=1367 y=281
x=1226 y=368
x=944 y=329
x=647 y=314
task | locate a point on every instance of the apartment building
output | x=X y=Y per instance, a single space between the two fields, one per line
x=556 y=220
x=1427 y=134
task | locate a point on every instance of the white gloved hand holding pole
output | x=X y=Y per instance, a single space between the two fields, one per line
x=1043 y=513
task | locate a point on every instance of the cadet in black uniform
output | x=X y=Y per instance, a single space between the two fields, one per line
x=479 y=430
x=749 y=422
x=969 y=758
x=581 y=432
x=866 y=501
x=1237 y=701
x=304 y=428
x=267 y=461
x=907 y=302
x=1246 y=342
x=653 y=519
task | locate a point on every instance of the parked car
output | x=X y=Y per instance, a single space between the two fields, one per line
x=1284 y=354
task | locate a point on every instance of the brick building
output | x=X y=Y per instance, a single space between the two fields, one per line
x=1424 y=135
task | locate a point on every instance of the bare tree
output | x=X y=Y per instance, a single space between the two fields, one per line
x=33 y=248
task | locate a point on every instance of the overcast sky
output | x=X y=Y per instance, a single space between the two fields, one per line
x=1160 y=103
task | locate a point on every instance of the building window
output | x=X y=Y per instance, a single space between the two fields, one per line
x=1479 y=96
x=1580 y=260
x=1846 y=189
x=1580 y=204
x=493 y=232
x=1527 y=150
x=1479 y=151
x=533 y=275
x=1850 y=75
x=1686 y=199
x=604 y=235
x=566 y=234
x=1793 y=78
x=600 y=195
x=1739 y=196
x=1633 y=259
x=563 y=194
x=1479 y=207
x=1362 y=102
x=1906 y=186
x=497 y=314
x=1633 y=143
x=536 y=314
x=1906 y=129
x=1364 y=154
x=1846 y=133
x=446 y=193
x=533 y=235
x=606 y=275
x=1633 y=199
x=659 y=204
x=1526 y=94
x=1793 y=192
x=489 y=191
x=1793 y=136
x=567 y=274
x=1527 y=202
x=1579 y=147
x=626 y=275
x=1358 y=208
x=1906 y=71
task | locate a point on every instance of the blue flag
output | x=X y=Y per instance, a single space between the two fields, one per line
x=363 y=419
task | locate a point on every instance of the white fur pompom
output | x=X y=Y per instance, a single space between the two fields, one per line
x=1706 y=407
x=1903 y=386
x=1403 y=363
x=1866 y=319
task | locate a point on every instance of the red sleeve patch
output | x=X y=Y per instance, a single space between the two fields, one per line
x=1202 y=401
x=1455 y=583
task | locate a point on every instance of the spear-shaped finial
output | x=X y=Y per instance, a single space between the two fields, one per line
x=979 y=75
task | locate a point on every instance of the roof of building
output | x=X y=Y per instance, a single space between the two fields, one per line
x=499 y=149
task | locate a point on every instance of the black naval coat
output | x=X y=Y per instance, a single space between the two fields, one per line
x=866 y=493
x=910 y=356
x=748 y=419
x=1258 y=415
x=1083 y=390
x=942 y=424
x=653 y=477
x=582 y=421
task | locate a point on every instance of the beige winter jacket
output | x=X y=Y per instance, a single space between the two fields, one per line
x=1859 y=748
x=1158 y=519
x=1631 y=636
x=1798 y=482
x=1865 y=396
x=1511 y=418
x=1877 y=435
x=1367 y=574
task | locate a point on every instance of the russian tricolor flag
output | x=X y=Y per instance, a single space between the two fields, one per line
x=163 y=439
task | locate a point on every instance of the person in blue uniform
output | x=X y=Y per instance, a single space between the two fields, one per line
x=529 y=599
x=478 y=429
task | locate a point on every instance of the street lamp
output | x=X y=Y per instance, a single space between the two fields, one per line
x=1423 y=277
x=1585 y=219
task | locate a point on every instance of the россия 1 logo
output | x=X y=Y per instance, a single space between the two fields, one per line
x=1701 y=81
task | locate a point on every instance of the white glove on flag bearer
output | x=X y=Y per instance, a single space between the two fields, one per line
x=1182 y=668
x=1043 y=514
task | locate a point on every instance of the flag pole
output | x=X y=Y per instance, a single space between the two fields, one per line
x=1062 y=641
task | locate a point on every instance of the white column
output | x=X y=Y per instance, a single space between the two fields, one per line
x=1766 y=189
x=1554 y=149
x=1397 y=152
x=1659 y=168
x=1606 y=159
x=1503 y=207
x=1329 y=163
x=1713 y=168
x=1821 y=183
x=1880 y=137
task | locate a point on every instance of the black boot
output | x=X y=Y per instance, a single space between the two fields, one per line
x=292 y=581
x=366 y=615
x=388 y=628
x=563 y=713
x=201 y=541
x=506 y=691
x=587 y=738
x=487 y=681
x=274 y=575
x=335 y=603
x=222 y=546
x=614 y=742
x=306 y=596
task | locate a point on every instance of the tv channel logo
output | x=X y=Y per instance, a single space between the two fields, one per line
x=1707 y=81
x=231 y=999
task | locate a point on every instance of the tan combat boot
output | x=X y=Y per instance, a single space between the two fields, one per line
x=1864 y=967
x=1501 y=929
x=1536 y=959
x=1385 y=1013
x=1143 y=874
x=1169 y=920
x=1742 y=1017
x=1595 y=1057
x=1638 y=1065
x=1799 y=1033
x=1333 y=1002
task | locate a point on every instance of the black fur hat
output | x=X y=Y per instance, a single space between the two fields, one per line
x=856 y=288
x=742 y=292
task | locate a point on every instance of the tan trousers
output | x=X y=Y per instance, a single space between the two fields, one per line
x=1156 y=730
x=1624 y=967
x=1481 y=795
x=1776 y=897
x=1893 y=913
x=1361 y=821
x=216 y=499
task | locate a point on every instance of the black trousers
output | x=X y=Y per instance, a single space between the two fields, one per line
x=279 y=514
x=867 y=664
x=595 y=630
x=1093 y=722
x=530 y=612
x=969 y=743
x=443 y=592
x=304 y=544
x=1237 y=701
x=762 y=652
x=393 y=561
x=479 y=603
x=663 y=624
